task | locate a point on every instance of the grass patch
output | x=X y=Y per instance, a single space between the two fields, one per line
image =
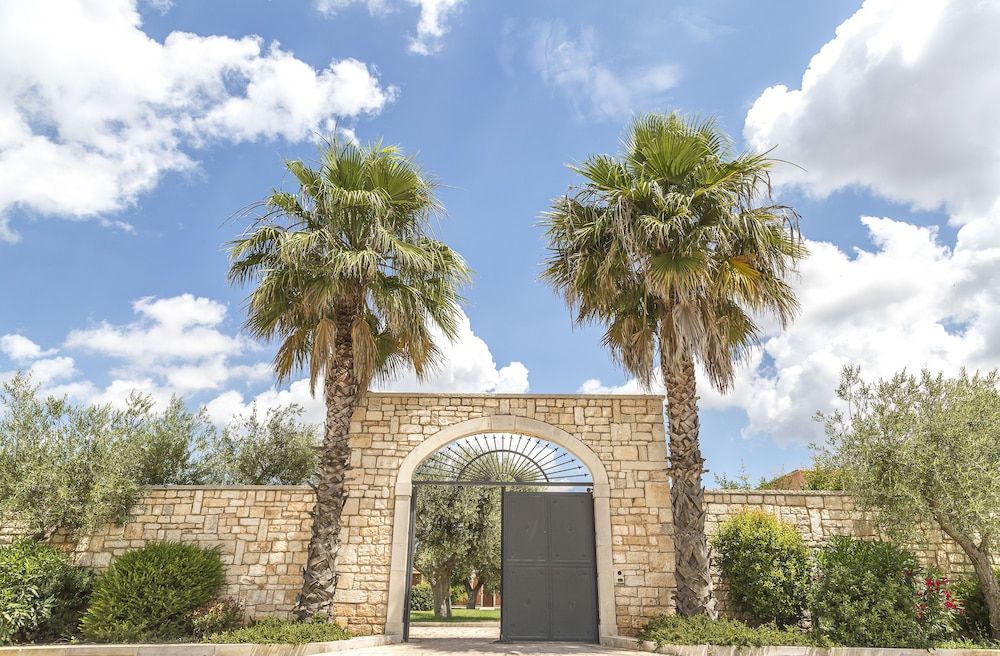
x=273 y=630
x=674 y=630
x=458 y=615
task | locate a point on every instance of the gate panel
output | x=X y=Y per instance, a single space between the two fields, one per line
x=548 y=569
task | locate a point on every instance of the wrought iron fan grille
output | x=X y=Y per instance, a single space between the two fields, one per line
x=503 y=458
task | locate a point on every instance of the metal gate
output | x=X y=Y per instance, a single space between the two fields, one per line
x=549 y=571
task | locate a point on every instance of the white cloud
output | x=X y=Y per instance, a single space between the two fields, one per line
x=177 y=341
x=180 y=346
x=21 y=349
x=90 y=99
x=47 y=370
x=467 y=366
x=902 y=101
x=577 y=68
x=431 y=26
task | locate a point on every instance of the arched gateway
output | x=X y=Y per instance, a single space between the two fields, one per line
x=618 y=439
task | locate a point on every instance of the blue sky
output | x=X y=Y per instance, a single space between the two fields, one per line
x=131 y=133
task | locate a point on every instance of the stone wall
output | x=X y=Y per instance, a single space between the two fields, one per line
x=818 y=516
x=263 y=532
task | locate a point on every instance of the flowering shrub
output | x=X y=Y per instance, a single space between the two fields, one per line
x=938 y=609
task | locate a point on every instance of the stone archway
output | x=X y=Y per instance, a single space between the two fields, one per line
x=619 y=438
x=398 y=573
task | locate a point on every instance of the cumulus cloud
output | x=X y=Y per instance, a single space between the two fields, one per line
x=94 y=102
x=902 y=101
x=21 y=349
x=178 y=343
x=431 y=26
x=576 y=67
x=467 y=366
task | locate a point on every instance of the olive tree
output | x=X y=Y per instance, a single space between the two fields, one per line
x=925 y=449
x=277 y=448
x=453 y=522
x=64 y=466
x=482 y=549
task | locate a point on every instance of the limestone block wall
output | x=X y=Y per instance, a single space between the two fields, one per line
x=262 y=533
x=818 y=516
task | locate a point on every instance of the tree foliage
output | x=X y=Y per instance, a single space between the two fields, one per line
x=920 y=450
x=66 y=466
x=75 y=467
x=276 y=449
x=457 y=533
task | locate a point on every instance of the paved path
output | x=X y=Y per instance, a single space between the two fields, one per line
x=468 y=641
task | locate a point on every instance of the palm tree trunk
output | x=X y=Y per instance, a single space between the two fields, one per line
x=342 y=395
x=687 y=495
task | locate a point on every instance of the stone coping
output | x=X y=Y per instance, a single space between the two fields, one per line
x=721 y=650
x=195 y=488
x=486 y=395
x=302 y=488
x=202 y=649
x=777 y=491
x=485 y=624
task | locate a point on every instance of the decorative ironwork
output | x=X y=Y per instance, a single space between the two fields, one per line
x=503 y=458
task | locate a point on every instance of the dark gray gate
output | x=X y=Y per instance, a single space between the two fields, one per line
x=549 y=572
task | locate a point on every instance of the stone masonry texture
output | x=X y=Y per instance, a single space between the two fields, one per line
x=263 y=531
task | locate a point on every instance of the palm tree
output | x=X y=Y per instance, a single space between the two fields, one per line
x=674 y=247
x=348 y=281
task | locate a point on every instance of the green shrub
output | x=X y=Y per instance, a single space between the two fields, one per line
x=700 y=630
x=459 y=595
x=218 y=616
x=150 y=594
x=421 y=597
x=272 y=630
x=865 y=595
x=42 y=594
x=974 y=622
x=766 y=566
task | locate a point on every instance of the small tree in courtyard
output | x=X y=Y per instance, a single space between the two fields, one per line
x=925 y=449
x=450 y=525
x=482 y=551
